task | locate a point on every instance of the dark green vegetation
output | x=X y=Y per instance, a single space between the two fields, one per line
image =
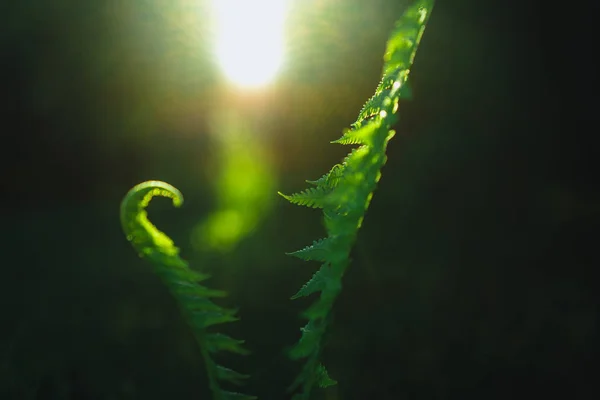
x=473 y=274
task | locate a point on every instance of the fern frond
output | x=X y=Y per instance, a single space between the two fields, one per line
x=323 y=379
x=318 y=251
x=330 y=179
x=230 y=375
x=313 y=373
x=309 y=341
x=363 y=135
x=312 y=197
x=217 y=341
x=403 y=43
x=373 y=106
x=201 y=319
x=322 y=279
x=193 y=299
x=345 y=192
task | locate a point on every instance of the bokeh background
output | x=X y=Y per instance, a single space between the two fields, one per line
x=473 y=274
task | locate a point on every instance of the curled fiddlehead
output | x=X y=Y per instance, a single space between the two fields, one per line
x=193 y=299
x=344 y=194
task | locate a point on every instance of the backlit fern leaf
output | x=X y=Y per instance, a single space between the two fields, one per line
x=345 y=192
x=193 y=299
x=363 y=135
x=322 y=279
x=312 y=197
x=330 y=179
x=373 y=106
x=320 y=250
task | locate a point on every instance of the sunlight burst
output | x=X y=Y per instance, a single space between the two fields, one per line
x=250 y=39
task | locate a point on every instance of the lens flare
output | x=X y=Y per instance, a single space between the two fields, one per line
x=250 y=39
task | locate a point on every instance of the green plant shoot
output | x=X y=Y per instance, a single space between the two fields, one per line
x=193 y=299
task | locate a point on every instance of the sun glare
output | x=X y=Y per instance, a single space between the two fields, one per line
x=250 y=40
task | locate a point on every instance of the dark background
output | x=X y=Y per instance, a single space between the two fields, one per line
x=473 y=274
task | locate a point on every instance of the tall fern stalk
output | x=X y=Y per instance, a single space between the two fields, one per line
x=193 y=299
x=344 y=194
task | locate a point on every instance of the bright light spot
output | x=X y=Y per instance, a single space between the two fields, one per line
x=250 y=39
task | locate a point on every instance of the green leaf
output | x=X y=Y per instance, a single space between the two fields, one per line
x=323 y=379
x=309 y=341
x=138 y=229
x=217 y=341
x=364 y=135
x=331 y=179
x=194 y=303
x=311 y=197
x=182 y=274
x=204 y=319
x=229 y=375
x=373 y=107
x=193 y=289
x=317 y=283
x=319 y=309
x=320 y=250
